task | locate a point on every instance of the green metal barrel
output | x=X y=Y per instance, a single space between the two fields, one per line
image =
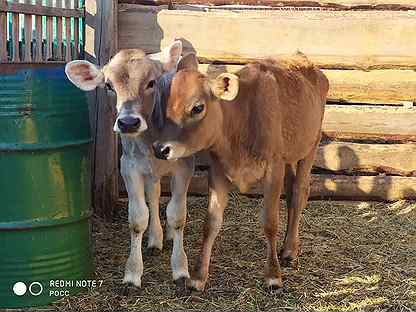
x=45 y=231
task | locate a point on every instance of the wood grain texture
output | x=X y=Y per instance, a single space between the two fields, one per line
x=28 y=36
x=3 y=38
x=25 y=8
x=399 y=159
x=39 y=37
x=68 y=56
x=59 y=54
x=349 y=157
x=391 y=87
x=332 y=39
x=76 y=33
x=369 y=123
x=324 y=186
x=336 y=4
x=101 y=44
x=15 y=38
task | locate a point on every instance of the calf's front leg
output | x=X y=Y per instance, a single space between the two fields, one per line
x=176 y=219
x=218 y=198
x=138 y=221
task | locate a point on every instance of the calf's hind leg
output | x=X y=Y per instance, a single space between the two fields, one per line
x=272 y=189
x=300 y=194
x=155 y=240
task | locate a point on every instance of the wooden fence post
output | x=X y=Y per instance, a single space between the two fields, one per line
x=100 y=45
x=3 y=37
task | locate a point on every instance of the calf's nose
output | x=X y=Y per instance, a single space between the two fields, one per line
x=128 y=124
x=161 y=151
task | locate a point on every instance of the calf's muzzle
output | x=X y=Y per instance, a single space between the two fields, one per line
x=161 y=151
x=128 y=124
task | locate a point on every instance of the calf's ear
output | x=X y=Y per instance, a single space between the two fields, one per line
x=169 y=56
x=84 y=75
x=188 y=61
x=225 y=86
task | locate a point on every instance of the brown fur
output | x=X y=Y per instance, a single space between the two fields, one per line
x=275 y=121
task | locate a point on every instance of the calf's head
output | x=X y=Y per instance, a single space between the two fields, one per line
x=193 y=111
x=130 y=75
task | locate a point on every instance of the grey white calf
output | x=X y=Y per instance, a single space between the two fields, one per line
x=131 y=76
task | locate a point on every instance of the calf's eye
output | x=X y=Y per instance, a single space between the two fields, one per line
x=109 y=87
x=197 y=109
x=150 y=84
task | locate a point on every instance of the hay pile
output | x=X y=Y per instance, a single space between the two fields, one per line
x=355 y=256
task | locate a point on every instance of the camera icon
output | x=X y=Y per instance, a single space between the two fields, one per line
x=20 y=288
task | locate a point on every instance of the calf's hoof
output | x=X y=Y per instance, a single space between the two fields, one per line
x=131 y=278
x=152 y=252
x=289 y=262
x=196 y=284
x=128 y=290
x=180 y=287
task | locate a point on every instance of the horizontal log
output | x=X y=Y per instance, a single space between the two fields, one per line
x=376 y=86
x=334 y=4
x=24 y=8
x=386 y=188
x=332 y=39
x=391 y=87
x=369 y=123
x=399 y=159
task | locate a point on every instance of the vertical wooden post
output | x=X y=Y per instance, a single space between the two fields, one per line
x=3 y=37
x=49 y=34
x=15 y=37
x=100 y=45
x=76 y=32
x=68 y=33
x=59 y=32
x=28 y=35
x=39 y=38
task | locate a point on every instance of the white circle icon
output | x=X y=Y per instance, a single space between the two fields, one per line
x=35 y=293
x=19 y=288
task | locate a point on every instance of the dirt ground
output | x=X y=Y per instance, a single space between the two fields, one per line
x=355 y=256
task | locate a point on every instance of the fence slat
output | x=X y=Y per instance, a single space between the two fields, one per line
x=76 y=32
x=59 y=32
x=28 y=36
x=15 y=37
x=3 y=38
x=68 y=33
x=49 y=34
x=39 y=38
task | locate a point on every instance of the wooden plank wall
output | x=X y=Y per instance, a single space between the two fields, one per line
x=333 y=4
x=100 y=45
x=29 y=47
x=365 y=47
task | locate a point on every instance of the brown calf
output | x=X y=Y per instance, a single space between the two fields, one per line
x=264 y=123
